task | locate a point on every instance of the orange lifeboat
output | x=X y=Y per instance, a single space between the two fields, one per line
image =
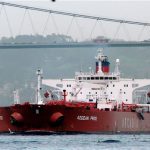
x=56 y=118
x=16 y=118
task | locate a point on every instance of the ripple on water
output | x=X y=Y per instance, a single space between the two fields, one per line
x=75 y=142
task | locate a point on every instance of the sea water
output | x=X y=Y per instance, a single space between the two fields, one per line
x=75 y=142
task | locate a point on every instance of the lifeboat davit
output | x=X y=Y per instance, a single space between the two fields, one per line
x=56 y=118
x=16 y=118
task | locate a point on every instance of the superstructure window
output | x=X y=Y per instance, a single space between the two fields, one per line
x=84 y=78
x=80 y=78
x=92 y=78
x=101 y=78
x=106 y=78
x=97 y=78
x=114 y=78
x=88 y=78
x=68 y=85
x=125 y=85
x=110 y=78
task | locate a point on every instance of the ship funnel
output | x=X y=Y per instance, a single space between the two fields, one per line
x=105 y=65
x=102 y=63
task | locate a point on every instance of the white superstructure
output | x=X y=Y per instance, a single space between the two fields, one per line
x=102 y=85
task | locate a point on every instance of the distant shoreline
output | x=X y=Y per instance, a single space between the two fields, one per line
x=70 y=45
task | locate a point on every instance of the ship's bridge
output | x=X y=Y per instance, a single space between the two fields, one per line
x=96 y=77
x=102 y=74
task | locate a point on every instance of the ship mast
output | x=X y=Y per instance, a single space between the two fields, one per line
x=39 y=88
x=16 y=97
x=117 y=72
x=99 y=59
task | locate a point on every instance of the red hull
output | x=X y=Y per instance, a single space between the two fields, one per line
x=69 y=117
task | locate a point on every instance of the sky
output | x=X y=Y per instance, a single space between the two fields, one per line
x=80 y=28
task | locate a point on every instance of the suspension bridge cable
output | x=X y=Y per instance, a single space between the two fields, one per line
x=79 y=28
x=93 y=29
x=70 y=25
x=55 y=24
x=9 y=26
x=148 y=30
x=141 y=32
x=118 y=28
x=77 y=15
x=21 y=25
x=30 y=18
x=45 y=26
x=102 y=28
x=126 y=32
x=1 y=10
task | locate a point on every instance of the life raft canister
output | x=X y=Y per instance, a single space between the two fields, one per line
x=56 y=118
x=16 y=118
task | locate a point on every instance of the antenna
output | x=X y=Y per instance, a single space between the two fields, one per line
x=39 y=88
x=16 y=97
x=117 y=72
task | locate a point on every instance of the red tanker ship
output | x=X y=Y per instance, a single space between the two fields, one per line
x=94 y=102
